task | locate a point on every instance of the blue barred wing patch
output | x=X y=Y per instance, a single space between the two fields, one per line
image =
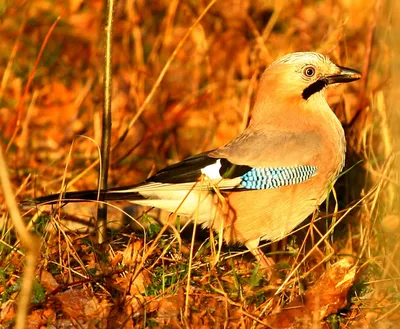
x=268 y=178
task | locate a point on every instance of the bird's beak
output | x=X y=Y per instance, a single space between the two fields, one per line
x=345 y=75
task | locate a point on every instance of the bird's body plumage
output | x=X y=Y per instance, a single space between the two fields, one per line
x=272 y=176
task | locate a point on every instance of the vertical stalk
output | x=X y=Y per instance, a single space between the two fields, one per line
x=106 y=124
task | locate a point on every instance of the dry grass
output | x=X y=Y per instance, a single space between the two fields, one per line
x=171 y=105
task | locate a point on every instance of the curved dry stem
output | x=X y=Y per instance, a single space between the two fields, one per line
x=29 y=241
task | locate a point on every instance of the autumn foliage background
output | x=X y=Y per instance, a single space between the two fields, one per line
x=50 y=131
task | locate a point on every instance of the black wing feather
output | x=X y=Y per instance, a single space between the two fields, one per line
x=189 y=170
x=186 y=171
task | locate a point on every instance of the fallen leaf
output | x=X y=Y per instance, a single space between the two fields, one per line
x=327 y=296
x=79 y=305
x=41 y=318
x=47 y=281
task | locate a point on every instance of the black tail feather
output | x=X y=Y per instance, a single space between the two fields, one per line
x=83 y=196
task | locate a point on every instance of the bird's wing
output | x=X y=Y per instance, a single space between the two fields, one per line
x=185 y=174
x=272 y=148
x=254 y=160
x=191 y=169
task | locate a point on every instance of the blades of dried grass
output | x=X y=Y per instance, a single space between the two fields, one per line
x=13 y=54
x=153 y=90
x=28 y=84
x=327 y=234
x=195 y=221
x=163 y=72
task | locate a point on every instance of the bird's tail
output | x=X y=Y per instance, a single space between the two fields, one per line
x=84 y=196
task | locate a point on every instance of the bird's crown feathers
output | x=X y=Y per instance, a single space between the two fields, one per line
x=302 y=57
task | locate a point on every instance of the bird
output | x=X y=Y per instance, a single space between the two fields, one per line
x=267 y=180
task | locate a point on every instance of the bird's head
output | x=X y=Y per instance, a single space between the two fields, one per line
x=302 y=76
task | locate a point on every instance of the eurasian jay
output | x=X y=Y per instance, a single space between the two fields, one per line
x=266 y=181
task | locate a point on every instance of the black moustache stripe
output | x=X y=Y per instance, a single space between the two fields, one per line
x=314 y=88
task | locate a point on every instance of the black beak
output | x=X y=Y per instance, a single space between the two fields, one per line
x=345 y=75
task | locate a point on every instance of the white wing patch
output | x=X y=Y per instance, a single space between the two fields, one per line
x=212 y=171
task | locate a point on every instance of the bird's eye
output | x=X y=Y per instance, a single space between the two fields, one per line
x=309 y=71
